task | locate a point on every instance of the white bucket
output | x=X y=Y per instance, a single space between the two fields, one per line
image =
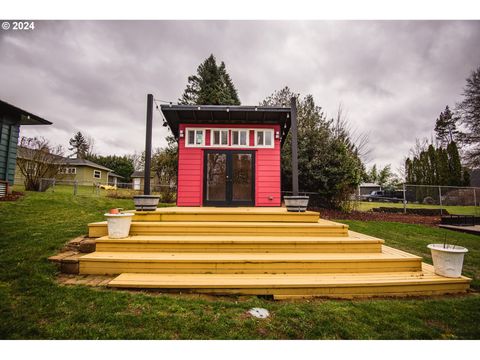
x=119 y=225
x=448 y=261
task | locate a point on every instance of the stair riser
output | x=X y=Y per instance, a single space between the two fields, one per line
x=242 y=248
x=307 y=218
x=142 y=229
x=343 y=292
x=257 y=267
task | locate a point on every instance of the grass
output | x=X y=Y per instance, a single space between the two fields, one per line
x=34 y=306
x=457 y=210
x=415 y=238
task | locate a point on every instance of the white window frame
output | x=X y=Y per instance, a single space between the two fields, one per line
x=272 y=132
x=219 y=129
x=95 y=171
x=68 y=170
x=238 y=145
x=195 y=137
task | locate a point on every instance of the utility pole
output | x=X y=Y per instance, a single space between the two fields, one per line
x=148 y=146
x=294 y=129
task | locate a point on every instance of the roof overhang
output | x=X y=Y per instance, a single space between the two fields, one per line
x=226 y=114
x=21 y=116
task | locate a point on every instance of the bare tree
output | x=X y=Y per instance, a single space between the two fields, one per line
x=37 y=159
x=90 y=141
x=358 y=141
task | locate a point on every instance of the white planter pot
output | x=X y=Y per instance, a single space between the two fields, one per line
x=118 y=225
x=296 y=203
x=146 y=202
x=448 y=260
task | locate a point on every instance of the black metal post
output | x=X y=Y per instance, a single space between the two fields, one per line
x=294 y=130
x=148 y=146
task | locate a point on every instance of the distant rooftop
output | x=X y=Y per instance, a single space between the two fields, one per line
x=84 y=162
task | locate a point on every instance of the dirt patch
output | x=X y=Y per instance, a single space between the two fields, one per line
x=379 y=216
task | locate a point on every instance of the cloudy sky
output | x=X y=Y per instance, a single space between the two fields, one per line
x=392 y=77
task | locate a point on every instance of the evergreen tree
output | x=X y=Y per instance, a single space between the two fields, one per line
x=443 y=170
x=79 y=145
x=469 y=110
x=211 y=85
x=432 y=165
x=409 y=178
x=446 y=127
x=385 y=175
x=373 y=174
x=436 y=167
x=466 y=177
x=328 y=162
x=454 y=165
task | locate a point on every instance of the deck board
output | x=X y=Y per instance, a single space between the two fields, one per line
x=301 y=285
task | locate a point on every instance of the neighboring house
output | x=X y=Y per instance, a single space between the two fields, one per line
x=11 y=118
x=85 y=172
x=138 y=178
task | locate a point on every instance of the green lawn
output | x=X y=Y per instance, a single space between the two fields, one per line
x=33 y=306
x=457 y=210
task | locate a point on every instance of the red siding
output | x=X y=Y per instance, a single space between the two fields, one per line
x=190 y=168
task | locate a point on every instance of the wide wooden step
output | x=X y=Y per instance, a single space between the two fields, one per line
x=283 y=286
x=389 y=260
x=319 y=228
x=354 y=243
x=249 y=214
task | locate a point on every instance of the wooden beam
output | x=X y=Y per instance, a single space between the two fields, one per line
x=294 y=129
x=148 y=146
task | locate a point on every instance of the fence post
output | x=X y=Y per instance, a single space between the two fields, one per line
x=404 y=199
x=440 y=199
x=53 y=186
x=475 y=201
x=75 y=187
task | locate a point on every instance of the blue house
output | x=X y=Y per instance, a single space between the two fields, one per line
x=11 y=118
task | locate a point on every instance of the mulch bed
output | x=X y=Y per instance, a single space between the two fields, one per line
x=14 y=196
x=378 y=216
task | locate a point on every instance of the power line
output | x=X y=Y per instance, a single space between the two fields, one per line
x=160 y=112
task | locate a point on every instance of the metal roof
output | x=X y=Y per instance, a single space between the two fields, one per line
x=226 y=114
x=21 y=116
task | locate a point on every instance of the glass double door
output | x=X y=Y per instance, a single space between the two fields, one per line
x=229 y=178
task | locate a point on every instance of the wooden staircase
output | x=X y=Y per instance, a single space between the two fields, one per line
x=259 y=251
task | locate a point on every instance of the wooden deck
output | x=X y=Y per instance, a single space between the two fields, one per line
x=261 y=251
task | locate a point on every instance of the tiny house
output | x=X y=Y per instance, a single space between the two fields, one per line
x=228 y=155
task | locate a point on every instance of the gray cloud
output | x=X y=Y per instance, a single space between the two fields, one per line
x=392 y=77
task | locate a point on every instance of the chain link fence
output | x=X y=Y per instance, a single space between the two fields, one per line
x=423 y=200
x=117 y=190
